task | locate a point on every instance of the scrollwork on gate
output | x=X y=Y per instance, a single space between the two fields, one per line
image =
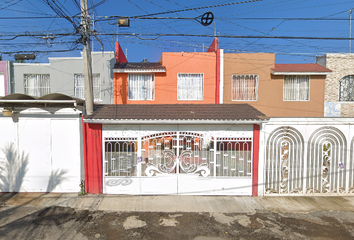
x=327 y=162
x=182 y=152
x=326 y=158
x=284 y=161
x=166 y=166
x=284 y=166
x=188 y=164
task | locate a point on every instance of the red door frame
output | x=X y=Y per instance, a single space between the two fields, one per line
x=92 y=138
x=256 y=131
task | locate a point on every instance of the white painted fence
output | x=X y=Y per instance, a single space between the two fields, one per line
x=40 y=151
x=307 y=156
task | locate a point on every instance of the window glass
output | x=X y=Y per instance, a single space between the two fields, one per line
x=296 y=88
x=37 y=85
x=190 y=86
x=141 y=87
x=244 y=87
x=346 y=88
x=79 y=82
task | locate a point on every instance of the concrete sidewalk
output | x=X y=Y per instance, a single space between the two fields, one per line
x=179 y=203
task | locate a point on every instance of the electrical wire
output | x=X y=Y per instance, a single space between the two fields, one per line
x=196 y=8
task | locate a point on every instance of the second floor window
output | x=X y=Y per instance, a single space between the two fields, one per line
x=37 y=85
x=141 y=86
x=79 y=85
x=244 y=87
x=346 y=88
x=296 y=88
x=190 y=86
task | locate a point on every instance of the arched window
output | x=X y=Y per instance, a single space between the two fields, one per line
x=346 y=88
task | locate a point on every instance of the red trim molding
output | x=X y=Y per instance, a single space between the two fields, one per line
x=256 y=131
x=92 y=138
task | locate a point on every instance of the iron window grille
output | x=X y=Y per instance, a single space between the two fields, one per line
x=346 y=88
x=79 y=85
x=37 y=85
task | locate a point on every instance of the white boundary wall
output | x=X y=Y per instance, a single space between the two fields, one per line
x=307 y=127
x=40 y=151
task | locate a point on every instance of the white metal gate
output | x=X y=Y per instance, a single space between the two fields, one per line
x=178 y=162
x=329 y=164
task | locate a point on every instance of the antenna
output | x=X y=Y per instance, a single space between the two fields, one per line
x=214 y=30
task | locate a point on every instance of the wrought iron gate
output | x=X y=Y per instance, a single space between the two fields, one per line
x=177 y=152
x=326 y=168
x=175 y=163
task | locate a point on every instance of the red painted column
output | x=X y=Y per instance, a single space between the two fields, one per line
x=214 y=47
x=92 y=138
x=256 y=131
x=217 y=89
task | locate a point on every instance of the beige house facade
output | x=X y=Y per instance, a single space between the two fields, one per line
x=277 y=90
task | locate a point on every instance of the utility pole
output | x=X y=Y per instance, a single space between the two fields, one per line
x=86 y=54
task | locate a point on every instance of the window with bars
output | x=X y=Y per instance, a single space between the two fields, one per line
x=296 y=88
x=120 y=157
x=37 y=85
x=141 y=86
x=79 y=85
x=244 y=88
x=346 y=88
x=190 y=86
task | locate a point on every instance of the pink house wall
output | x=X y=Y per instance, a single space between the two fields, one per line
x=3 y=70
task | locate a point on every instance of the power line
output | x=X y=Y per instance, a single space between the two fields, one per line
x=153 y=36
x=10 y=4
x=291 y=19
x=196 y=8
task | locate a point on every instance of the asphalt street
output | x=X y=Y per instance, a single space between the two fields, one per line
x=47 y=217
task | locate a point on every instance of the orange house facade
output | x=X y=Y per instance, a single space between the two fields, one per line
x=277 y=90
x=180 y=78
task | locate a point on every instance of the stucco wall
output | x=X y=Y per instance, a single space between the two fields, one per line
x=62 y=72
x=270 y=87
x=41 y=151
x=3 y=72
x=166 y=83
x=341 y=65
